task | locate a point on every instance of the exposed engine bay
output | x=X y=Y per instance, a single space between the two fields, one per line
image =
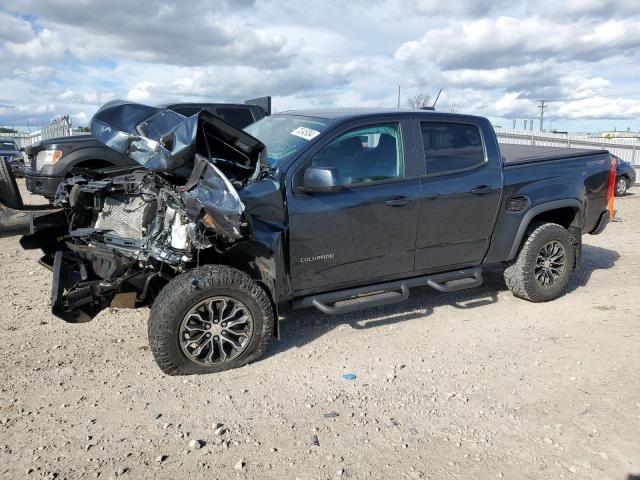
x=123 y=232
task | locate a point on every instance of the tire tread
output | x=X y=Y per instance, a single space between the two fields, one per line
x=519 y=274
x=171 y=301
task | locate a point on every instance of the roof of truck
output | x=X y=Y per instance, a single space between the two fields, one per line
x=350 y=113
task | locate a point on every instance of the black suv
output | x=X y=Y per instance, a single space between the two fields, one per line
x=52 y=160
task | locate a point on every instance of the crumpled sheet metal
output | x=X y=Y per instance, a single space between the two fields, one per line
x=156 y=138
x=215 y=195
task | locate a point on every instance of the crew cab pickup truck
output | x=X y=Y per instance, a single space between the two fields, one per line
x=52 y=160
x=333 y=209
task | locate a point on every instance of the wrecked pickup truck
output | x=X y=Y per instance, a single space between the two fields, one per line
x=334 y=209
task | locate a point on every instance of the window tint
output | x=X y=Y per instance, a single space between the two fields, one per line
x=450 y=147
x=7 y=145
x=240 y=117
x=366 y=154
x=186 y=111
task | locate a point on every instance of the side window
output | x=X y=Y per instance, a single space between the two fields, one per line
x=451 y=147
x=239 y=117
x=365 y=154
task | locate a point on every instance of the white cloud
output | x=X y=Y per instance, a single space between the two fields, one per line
x=509 y=41
x=599 y=107
x=495 y=58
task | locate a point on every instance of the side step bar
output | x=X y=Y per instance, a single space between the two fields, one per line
x=343 y=301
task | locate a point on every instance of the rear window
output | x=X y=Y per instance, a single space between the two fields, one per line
x=7 y=145
x=451 y=147
x=240 y=117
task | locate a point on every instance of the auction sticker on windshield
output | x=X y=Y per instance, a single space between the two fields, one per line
x=306 y=133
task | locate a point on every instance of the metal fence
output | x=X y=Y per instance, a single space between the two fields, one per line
x=627 y=149
x=58 y=127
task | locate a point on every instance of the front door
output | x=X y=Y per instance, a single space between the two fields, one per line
x=365 y=231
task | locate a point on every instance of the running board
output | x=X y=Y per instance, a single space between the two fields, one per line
x=343 y=301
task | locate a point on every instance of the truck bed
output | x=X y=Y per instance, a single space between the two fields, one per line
x=521 y=154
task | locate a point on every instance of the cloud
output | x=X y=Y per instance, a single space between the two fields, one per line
x=508 y=41
x=464 y=8
x=200 y=32
x=494 y=58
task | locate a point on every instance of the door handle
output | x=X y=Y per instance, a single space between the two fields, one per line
x=398 y=202
x=483 y=190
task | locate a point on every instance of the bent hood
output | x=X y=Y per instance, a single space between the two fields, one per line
x=162 y=140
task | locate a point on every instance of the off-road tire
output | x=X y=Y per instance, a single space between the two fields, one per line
x=621 y=190
x=519 y=274
x=9 y=193
x=183 y=292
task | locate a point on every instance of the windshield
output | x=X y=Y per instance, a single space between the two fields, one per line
x=284 y=135
x=7 y=145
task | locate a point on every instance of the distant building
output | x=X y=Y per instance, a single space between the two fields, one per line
x=617 y=134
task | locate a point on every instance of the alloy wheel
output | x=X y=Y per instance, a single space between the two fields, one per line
x=550 y=264
x=216 y=330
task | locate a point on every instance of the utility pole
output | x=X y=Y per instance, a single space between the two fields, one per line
x=398 y=95
x=542 y=108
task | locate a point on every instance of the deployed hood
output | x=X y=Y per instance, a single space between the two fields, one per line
x=162 y=140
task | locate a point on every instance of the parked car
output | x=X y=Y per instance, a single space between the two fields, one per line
x=333 y=209
x=12 y=156
x=53 y=160
x=625 y=176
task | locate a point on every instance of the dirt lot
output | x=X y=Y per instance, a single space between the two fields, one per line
x=474 y=385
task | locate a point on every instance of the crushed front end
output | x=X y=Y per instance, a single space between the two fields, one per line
x=118 y=239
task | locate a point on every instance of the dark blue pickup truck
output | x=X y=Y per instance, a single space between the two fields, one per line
x=333 y=209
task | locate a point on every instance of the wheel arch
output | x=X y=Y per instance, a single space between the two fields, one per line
x=91 y=157
x=566 y=212
x=257 y=261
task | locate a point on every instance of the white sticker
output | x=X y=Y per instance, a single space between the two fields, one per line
x=306 y=133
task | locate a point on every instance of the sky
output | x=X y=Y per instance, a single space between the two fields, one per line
x=495 y=58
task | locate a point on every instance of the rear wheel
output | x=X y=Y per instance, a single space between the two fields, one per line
x=544 y=264
x=9 y=193
x=210 y=319
x=621 y=186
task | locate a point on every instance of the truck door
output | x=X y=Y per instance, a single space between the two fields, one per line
x=460 y=196
x=366 y=230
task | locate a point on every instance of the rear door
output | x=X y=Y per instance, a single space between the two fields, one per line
x=460 y=195
x=367 y=230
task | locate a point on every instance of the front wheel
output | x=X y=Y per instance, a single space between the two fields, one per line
x=621 y=186
x=209 y=319
x=544 y=264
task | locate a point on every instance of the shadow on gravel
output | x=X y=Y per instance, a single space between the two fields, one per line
x=298 y=327
x=593 y=258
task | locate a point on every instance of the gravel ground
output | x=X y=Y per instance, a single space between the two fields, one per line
x=476 y=384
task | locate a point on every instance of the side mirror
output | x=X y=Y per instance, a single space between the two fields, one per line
x=321 y=179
